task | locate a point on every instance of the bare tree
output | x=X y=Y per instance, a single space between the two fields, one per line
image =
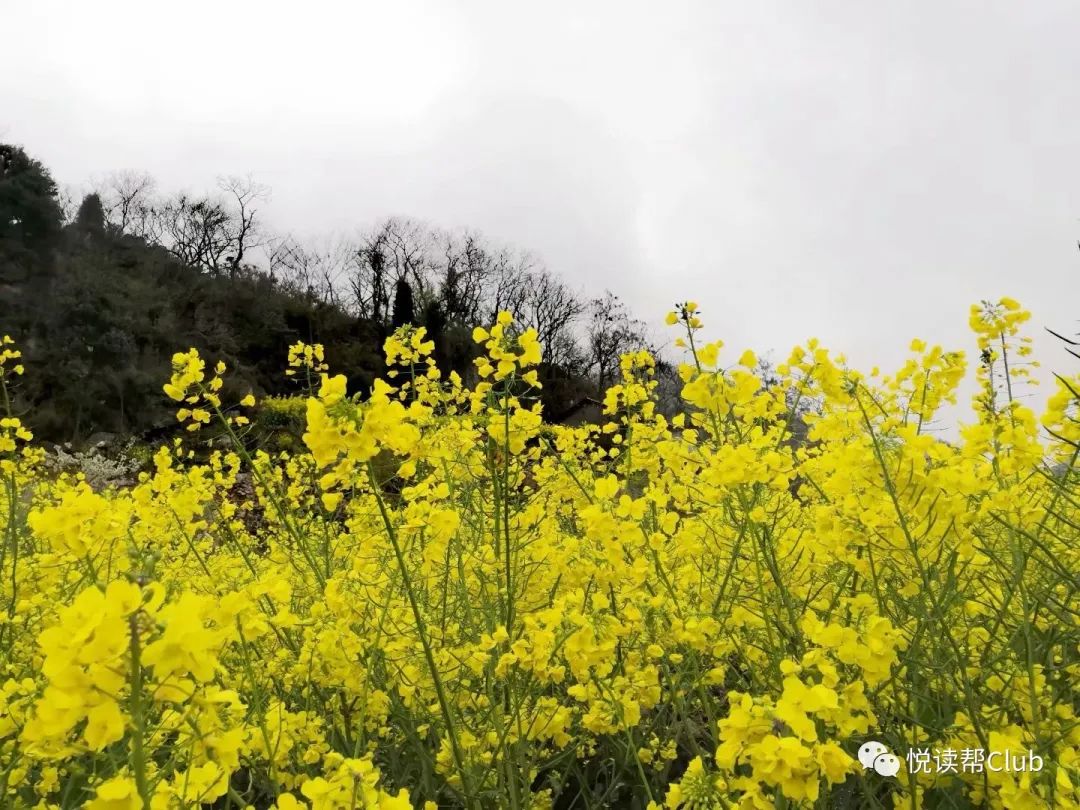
x=553 y=309
x=129 y=199
x=612 y=332
x=214 y=232
x=466 y=275
x=290 y=263
x=468 y=279
x=506 y=281
x=243 y=196
x=368 y=282
x=318 y=269
x=397 y=250
x=197 y=230
x=411 y=255
x=68 y=197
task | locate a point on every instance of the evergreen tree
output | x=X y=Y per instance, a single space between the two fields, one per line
x=404 y=311
x=90 y=218
x=434 y=322
x=30 y=215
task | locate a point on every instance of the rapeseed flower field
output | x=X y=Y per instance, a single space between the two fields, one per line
x=442 y=601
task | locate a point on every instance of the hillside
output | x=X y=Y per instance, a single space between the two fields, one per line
x=102 y=296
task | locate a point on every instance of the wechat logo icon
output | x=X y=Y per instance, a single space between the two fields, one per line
x=875 y=755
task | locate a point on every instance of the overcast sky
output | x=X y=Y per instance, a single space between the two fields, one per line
x=860 y=172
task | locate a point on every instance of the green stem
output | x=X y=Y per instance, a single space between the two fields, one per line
x=421 y=631
x=138 y=754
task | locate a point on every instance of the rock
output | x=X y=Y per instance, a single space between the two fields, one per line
x=101 y=439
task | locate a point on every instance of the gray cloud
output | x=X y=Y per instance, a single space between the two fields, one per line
x=859 y=172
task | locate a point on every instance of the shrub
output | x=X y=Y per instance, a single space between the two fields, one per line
x=98 y=467
x=278 y=423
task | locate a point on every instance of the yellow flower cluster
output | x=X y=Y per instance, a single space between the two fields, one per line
x=505 y=354
x=407 y=347
x=307 y=358
x=10 y=357
x=710 y=600
x=201 y=397
x=187 y=386
x=12 y=429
